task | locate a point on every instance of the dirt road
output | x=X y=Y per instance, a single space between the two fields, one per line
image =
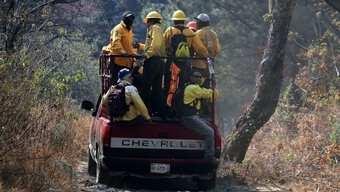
x=87 y=183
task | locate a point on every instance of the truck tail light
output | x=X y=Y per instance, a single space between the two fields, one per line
x=105 y=134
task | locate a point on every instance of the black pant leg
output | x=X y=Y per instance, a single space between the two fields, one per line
x=147 y=80
x=157 y=98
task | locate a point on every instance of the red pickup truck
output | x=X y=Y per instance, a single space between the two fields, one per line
x=157 y=149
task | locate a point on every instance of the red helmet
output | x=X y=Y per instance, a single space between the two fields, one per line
x=192 y=25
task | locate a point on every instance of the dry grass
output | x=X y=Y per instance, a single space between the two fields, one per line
x=42 y=154
x=305 y=160
x=41 y=139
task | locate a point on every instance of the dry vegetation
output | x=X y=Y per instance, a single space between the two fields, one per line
x=41 y=142
x=299 y=148
x=44 y=155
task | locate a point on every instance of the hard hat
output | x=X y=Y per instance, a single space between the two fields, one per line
x=153 y=15
x=124 y=73
x=203 y=17
x=179 y=15
x=192 y=25
x=129 y=15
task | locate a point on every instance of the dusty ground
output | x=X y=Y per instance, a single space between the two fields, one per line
x=87 y=183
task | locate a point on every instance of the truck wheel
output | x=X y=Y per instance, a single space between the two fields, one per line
x=91 y=165
x=207 y=184
x=101 y=173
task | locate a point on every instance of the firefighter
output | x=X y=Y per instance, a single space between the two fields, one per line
x=136 y=110
x=194 y=93
x=175 y=69
x=121 y=43
x=179 y=27
x=154 y=49
x=210 y=40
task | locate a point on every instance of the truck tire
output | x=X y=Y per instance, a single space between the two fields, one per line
x=207 y=184
x=91 y=165
x=101 y=174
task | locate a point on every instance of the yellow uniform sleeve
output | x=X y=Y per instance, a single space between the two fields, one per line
x=199 y=47
x=194 y=92
x=156 y=42
x=116 y=41
x=140 y=106
x=203 y=93
x=166 y=38
x=129 y=43
x=216 y=45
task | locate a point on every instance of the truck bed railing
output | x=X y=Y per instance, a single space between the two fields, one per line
x=144 y=57
x=107 y=59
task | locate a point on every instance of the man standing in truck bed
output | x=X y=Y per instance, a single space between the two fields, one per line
x=210 y=40
x=154 y=49
x=121 y=43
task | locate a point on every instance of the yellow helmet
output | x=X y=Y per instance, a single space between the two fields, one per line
x=153 y=15
x=179 y=15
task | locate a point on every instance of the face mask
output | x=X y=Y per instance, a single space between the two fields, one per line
x=128 y=22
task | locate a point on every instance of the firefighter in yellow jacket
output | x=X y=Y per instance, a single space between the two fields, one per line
x=154 y=49
x=194 y=94
x=176 y=71
x=210 y=40
x=193 y=40
x=121 y=43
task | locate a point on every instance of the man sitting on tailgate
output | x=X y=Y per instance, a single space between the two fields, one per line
x=194 y=94
x=122 y=102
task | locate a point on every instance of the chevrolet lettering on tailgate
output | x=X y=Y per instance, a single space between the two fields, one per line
x=146 y=143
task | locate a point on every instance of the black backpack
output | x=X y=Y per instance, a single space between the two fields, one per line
x=117 y=102
x=179 y=44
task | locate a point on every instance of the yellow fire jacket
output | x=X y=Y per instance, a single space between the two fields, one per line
x=193 y=41
x=121 y=43
x=135 y=102
x=194 y=93
x=210 y=40
x=154 y=43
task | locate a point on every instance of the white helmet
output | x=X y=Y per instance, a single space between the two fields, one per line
x=203 y=17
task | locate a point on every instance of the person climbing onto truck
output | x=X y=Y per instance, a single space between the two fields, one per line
x=154 y=49
x=123 y=103
x=210 y=40
x=194 y=94
x=121 y=43
x=180 y=42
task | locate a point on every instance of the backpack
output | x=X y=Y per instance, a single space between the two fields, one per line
x=117 y=102
x=179 y=45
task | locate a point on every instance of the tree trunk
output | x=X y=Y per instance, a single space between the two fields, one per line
x=334 y=3
x=268 y=84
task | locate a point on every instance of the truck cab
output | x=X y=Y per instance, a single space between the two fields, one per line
x=156 y=149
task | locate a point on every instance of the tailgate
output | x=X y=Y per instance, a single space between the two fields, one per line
x=155 y=140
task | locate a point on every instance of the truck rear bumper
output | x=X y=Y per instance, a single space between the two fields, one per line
x=179 y=168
